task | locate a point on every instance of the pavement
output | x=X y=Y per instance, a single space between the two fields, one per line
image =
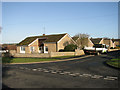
x=86 y=72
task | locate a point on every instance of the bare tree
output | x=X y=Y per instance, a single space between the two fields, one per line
x=82 y=40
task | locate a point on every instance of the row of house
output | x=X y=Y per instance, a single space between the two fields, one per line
x=57 y=42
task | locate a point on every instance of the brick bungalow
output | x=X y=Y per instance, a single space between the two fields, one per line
x=44 y=43
x=86 y=42
x=97 y=40
x=108 y=42
x=116 y=42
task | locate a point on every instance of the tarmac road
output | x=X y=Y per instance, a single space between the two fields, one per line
x=90 y=72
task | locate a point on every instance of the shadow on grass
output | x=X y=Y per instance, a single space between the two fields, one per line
x=105 y=63
x=4 y=87
x=7 y=58
x=115 y=54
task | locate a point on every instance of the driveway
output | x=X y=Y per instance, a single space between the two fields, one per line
x=89 y=72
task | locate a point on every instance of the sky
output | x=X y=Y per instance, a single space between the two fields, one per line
x=23 y=19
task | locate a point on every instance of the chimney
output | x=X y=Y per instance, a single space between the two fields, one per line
x=43 y=34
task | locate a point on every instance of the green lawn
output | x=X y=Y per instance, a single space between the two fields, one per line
x=114 y=62
x=25 y=60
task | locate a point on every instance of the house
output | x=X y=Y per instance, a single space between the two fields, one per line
x=116 y=42
x=44 y=43
x=83 y=42
x=108 y=42
x=97 y=40
x=9 y=46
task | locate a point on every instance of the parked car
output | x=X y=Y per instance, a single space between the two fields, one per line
x=96 y=49
x=3 y=51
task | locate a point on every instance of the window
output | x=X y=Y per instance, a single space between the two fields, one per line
x=32 y=49
x=22 y=48
x=46 y=48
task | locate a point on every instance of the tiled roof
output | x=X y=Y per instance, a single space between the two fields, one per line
x=75 y=38
x=96 y=40
x=49 y=38
x=115 y=40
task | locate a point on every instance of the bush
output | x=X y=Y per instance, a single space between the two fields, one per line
x=70 y=47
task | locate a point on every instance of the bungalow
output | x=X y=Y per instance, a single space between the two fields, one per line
x=108 y=42
x=44 y=43
x=116 y=42
x=97 y=40
x=83 y=42
x=89 y=42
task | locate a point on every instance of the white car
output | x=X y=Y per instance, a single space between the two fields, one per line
x=3 y=51
x=97 y=48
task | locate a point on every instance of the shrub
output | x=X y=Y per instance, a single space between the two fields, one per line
x=70 y=47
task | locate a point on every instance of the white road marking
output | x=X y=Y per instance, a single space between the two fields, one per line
x=61 y=73
x=46 y=71
x=87 y=75
x=73 y=74
x=53 y=72
x=112 y=77
x=67 y=72
x=109 y=79
x=96 y=76
x=80 y=75
x=34 y=69
x=77 y=73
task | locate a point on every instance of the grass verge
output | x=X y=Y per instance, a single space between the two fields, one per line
x=114 y=62
x=28 y=60
x=25 y=60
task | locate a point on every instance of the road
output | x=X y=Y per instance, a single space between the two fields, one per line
x=89 y=72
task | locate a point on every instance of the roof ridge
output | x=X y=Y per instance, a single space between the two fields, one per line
x=45 y=35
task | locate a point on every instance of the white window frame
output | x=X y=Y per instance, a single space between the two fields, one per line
x=21 y=50
x=40 y=49
x=45 y=49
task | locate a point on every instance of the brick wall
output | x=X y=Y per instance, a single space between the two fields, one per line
x=42 y=55
x=76 y=53
x=51 y=54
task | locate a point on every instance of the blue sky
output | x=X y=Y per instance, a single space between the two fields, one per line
x=20 y=20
